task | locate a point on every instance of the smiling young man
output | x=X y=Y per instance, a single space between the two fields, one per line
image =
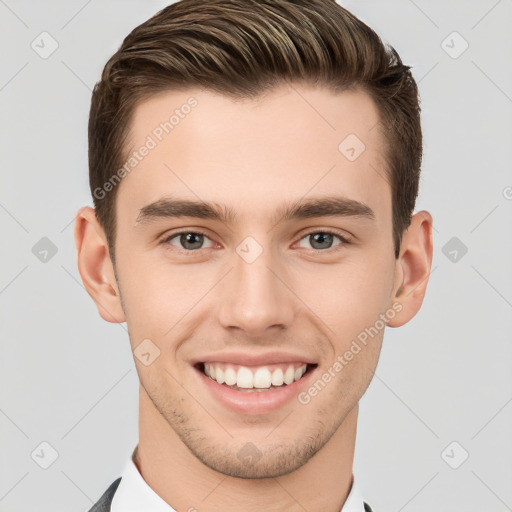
x=254 y=167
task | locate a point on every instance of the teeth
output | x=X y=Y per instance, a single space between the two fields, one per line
x=219 y=375
x=244 y=378
x=262 y=378
x=289 y=375
x=277 y=377
x=230 y=376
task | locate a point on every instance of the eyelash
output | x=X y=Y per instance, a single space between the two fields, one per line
x=345 y=240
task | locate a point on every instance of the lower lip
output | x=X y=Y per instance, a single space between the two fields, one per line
x=255 y=402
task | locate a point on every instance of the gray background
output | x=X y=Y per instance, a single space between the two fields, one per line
x=68 y=377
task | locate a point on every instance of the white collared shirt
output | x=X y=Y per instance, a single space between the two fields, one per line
x=134 y=495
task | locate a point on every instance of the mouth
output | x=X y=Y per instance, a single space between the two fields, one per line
x=254 y=390
x=255 y=378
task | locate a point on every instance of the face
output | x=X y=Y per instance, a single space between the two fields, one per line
x=257 y=283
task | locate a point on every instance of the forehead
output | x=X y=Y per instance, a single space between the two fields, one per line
x=253 y=154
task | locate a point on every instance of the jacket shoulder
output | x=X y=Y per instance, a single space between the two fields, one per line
x=103 y=504
x=367 y=507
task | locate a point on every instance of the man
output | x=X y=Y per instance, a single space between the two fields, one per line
x=254 y=167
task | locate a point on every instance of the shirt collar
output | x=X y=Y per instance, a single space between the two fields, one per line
x=134 y=494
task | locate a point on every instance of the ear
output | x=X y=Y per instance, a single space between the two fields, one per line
x=95 y=265
x=413 y=268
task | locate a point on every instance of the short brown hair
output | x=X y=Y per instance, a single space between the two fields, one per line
x=243 y=48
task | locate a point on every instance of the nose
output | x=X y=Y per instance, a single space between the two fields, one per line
x=256 y=297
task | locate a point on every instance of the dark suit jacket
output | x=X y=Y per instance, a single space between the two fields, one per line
x=105 y=501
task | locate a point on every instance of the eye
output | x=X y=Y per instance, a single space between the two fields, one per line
x=188 y=240
x=323 y=240
x=192 y=241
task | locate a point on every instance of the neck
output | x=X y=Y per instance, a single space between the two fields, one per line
x=186 y=484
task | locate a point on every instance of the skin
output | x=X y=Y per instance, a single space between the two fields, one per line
x=253 y=156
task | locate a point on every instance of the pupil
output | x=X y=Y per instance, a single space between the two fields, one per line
x=321 y=238
x=187 y=240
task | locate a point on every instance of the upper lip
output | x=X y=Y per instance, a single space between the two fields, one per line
x=244 y=358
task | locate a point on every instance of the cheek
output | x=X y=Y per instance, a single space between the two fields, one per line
x=157 y=294
x=348 y=296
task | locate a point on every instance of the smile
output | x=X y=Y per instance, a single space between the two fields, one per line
x=256 y=378
x=254 y=389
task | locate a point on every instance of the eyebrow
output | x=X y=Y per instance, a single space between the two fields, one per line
x=331 y=206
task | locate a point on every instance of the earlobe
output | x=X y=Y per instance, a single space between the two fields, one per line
x=414 y=263
x=95 y=266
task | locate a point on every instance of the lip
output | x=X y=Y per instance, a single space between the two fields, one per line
x=246 y=359
x=255 y=403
